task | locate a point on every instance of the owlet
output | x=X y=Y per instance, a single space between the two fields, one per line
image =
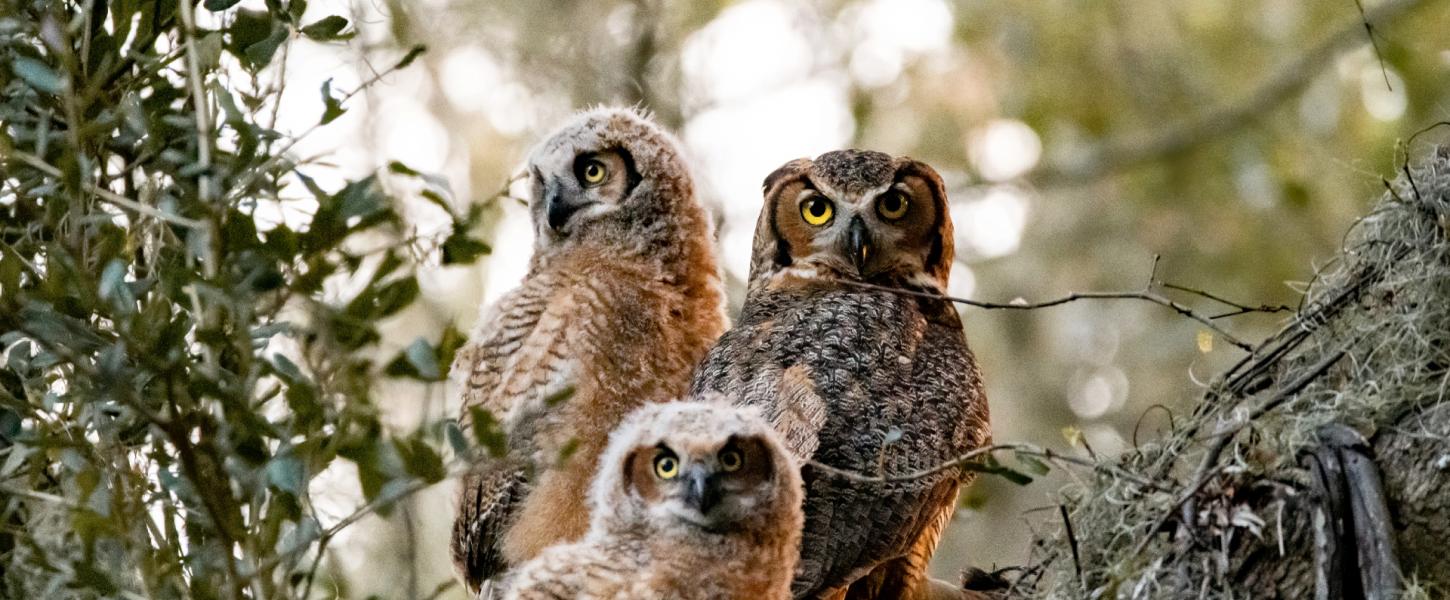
x=622 y=299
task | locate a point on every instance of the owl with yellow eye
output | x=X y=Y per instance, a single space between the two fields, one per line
x=858 y=378
x=623 y=267
x=693 y=501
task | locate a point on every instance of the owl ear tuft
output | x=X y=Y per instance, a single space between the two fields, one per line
x=797 y=166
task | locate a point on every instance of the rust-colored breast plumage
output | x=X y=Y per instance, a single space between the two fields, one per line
x=567 y=355
x=622 y=299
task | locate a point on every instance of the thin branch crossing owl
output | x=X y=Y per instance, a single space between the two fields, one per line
x=859 y=379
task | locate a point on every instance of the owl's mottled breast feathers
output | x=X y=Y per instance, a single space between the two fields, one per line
x=897 y=390
x=866 y=380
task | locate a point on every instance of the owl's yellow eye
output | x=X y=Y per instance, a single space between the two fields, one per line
x=731 y=460
x=594 y=172
x=892 y=205
x=817 y=210
x=666 y=466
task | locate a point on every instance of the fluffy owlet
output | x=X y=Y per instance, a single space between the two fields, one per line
x=693 y=501
x=860 y=379
x=622 y=299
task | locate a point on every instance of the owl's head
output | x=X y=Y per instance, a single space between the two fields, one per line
x=611 y=174
x=855 y=214
x=697 y=466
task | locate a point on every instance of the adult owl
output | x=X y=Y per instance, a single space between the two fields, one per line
x=861 y=379
x=693 y=501
x=621 y=301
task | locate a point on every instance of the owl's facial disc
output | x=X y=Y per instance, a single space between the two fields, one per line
x=708 y=485
x=595 y=183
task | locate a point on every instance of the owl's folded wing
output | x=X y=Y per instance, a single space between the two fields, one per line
x=798 y=413
x=489 y=495
x=853 y=527
x=512 y=366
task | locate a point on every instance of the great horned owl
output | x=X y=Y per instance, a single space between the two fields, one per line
x=622 y=299
x=860 y=379
x=693 y=500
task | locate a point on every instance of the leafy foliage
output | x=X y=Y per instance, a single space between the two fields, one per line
x=178 y=370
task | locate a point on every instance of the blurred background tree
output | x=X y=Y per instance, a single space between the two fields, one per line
x=1236 y=140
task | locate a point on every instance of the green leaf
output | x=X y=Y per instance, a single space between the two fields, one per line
x=38 y=75
x=295 y=9
x=421 y=460
x=990 y=465
x=331 y=107
x=287 y=473
x=419 y=360
x=219 y=5
x=327 y=29
x=261 y=53
x=402 y=169
x=568 y=450
x=361 y=198
x=459 y=248
x=209 y=50
x=114 y=288
x=286 y=369
x=394 y=297
x=91 y=577
x=450 y=430
x=437 y=200
x=301 y=536
x=448 y=346
x=559 y=396
x=1033 y=465
x=423 y=358
x=487 y=432
x=412 y=55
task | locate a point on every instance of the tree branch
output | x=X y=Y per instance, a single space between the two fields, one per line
x=110 y=196
x=1133 y=150
x=1146 y=294
x=972 y=456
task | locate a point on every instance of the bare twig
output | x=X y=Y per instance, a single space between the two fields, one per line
x=1072 y=541
x=972 y=456
x=1144 y=414
x=38 y=496
x=1239 y=309
x=110 y=196
x=457 y=467
x=198 y=98
x=1208 y=467
x=250 y=177
x=1145 y=294
x=1374 y=43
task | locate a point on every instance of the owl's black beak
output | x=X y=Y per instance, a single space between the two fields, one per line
x=858 y=244
x=558 y=206
x=702 y=492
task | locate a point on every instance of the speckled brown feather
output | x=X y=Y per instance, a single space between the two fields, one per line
x=560 y=360
x=900 y=389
